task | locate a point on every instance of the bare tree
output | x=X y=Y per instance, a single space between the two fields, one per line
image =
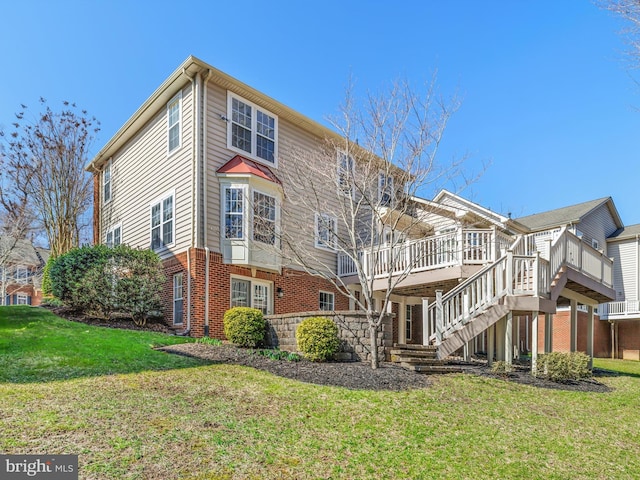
x=629 y=10
x=44 y=160
x=359 y=194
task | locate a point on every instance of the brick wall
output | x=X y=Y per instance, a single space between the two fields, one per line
x=628 y=336
x=562 y=334
x=300 y=291
x=353 y=331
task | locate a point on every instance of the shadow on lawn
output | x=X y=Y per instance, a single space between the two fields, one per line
x=603 y=372
x=38 y=346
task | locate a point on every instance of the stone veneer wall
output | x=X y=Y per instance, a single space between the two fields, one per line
x=353 y=331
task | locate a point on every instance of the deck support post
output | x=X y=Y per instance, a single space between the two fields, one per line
x=490 y=343
x=590 y=320
x=500 y=338
x=573 y=338
x=508 y=339
x=548 y=333
x=534 y=343
x=425 y=321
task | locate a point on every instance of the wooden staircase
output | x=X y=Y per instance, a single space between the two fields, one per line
x=421 y=359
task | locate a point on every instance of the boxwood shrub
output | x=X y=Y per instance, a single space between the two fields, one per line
x=563 y=367
x=317 y=338
x=244 y=326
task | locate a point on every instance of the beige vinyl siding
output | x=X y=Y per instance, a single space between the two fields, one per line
x=597 y=225
x=290 y=138
x=143 y=171
x=625 y=268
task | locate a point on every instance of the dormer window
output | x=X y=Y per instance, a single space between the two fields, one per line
x=252 y=130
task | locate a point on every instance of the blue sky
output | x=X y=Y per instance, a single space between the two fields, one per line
x=549 y=99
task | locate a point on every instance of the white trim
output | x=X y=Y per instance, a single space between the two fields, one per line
x=252 y=282
x=332 y=247
x=253 y=130
x=175 y=299
x=22 y=297
x=276 y=206
x=223 y=208
x=333 y=301
x=349 y=172
x=389 y=182
x=112 y=231
x=160 y=200
x=177 y=98
x=408 y=322
x=108 y=167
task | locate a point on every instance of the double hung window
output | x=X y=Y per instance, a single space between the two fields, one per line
x=162 y=222
x=252 y=129
x=173 y=123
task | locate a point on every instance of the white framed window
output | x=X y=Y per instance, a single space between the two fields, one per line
x=22 y=274
x=252 y=129
x=264 y=218
x=385 y=189
x=251 y=293
x=178 y=298
x=162 y=222
x=595 y=244
x=173 y=123
x=408 y=322
x=22 y=299
x=106 y=182
x=326 y=231
x=234 y=213
x=345 y=174
x=114 y=236
x=326 y=301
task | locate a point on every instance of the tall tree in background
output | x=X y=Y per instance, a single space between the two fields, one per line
x=629 y=10
x=359 y=195
x=43 y=160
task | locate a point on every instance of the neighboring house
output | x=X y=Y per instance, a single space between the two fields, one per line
x=21 y=265
x=200 y=173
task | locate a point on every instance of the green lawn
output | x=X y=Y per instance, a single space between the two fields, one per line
x=226 y=421
x=37 y=346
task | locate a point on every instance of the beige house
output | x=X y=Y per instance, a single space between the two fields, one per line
x=205 y=172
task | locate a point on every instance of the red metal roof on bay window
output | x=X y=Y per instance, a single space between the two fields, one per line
x=241 y=165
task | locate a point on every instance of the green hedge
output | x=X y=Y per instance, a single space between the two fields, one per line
x=317 y=338
x=562 y=367
x=244 y=326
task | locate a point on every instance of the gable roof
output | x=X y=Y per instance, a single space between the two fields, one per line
x=625 y=233
x=23 y=252
x=470 y=207
x=239 y=165
x=182 y=76
x=568 y=215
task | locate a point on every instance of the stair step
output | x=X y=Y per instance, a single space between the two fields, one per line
x=413 y=353
x=427 y=369
x=415 y=360
x=412 y=346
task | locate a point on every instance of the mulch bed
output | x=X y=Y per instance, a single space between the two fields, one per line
x=352 y=375
x=360 y=375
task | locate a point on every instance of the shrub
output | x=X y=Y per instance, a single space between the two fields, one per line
x=244 y=326
x=209 y=341
x=562 y=367
x=317 y=338
x=101 y=280
x=501 y=367
x=46 y=277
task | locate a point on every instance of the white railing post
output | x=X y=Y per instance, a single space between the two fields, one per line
x=425 y=321
x=460 y=249
x=494 y=244
x=509 y=279
x=536 y=274
x=439 y=317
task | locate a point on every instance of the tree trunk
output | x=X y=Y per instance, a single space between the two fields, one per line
x=373 y=340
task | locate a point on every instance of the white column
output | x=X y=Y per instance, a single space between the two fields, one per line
x=402 y=322
x=534 y=342
x=439 y=317
x=573 y=339
x=508 y=339
x=490 y=343
x=425 y=321
x=590 y=320
x=500 y=337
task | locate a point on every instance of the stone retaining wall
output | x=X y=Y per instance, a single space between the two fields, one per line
x=353 y=332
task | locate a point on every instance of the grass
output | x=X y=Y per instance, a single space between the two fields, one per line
x=227 y=421
x=38 y=346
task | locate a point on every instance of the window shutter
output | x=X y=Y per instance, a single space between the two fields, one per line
x=29 y=300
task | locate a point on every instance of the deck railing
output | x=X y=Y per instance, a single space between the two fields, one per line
x=619 y=310
x=462 y=247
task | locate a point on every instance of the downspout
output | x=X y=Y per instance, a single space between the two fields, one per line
x=205 y=202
